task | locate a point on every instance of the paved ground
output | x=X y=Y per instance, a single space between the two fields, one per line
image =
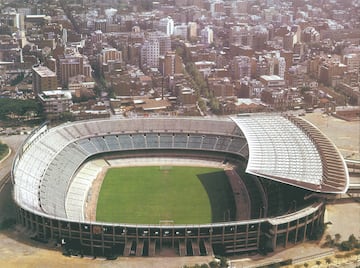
x=345 y=135
x=344 y=218
x=13 y=142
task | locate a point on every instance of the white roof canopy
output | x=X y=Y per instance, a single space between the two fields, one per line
x=281 y=150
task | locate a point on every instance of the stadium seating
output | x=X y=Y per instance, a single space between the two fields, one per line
x=152 y=140
x=78 y=191
x=45 y=173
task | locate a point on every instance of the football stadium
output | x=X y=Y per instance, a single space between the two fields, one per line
x=195 y=186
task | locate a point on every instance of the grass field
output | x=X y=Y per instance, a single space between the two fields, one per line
x=148 y=195
x=4 y=149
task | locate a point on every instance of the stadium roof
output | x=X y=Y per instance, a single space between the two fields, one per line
x=293 y=151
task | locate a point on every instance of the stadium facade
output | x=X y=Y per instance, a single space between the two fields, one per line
x=279 y=154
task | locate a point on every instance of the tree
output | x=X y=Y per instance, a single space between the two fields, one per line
x=352 y=240
x=306 y=264
x=329 y=241
x=318 y=262
x=17 y=108
x=328 y=260
x=345 y=246
x=223 y=262
x=214 y=105
x=337 y=238
x=18 y=79
x=214 y=264
x=4 y=149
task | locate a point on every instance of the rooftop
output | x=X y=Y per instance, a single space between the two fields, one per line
x=293 y=151
x=44 y=71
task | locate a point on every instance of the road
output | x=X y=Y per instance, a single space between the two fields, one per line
x=14 y=142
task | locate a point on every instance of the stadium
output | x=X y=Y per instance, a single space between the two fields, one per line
x=280 y=168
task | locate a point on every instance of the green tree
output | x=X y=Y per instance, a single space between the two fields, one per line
x=15 y=108
x=329 y=241
x=4 y=149
x=18 y=79
x=352 y=240
x=318 y=262
x=345 y=246
x=215 y=105
x=328 y=260
x=306 y=265
x=223 y=262
x=198 y=79
x=214 y=264
x=337 y=238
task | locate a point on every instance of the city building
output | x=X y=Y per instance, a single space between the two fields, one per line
x=170 y=64
x=55 y=102
x=207 y=35
x=108 y=55
x=192 y=29
x=150 y=53
x=241 y=67
x=43 y=79
x=181 y=31
x=71 y=65
x=163 y=40
x=166 y=25
x=272 y=81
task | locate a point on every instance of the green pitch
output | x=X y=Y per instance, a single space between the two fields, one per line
x=148 y=195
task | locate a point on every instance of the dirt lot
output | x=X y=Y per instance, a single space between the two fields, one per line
x=345 y=134
x=15 y=251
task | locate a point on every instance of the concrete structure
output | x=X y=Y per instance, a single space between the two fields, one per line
x=44 y=168
x=171 y=64
x=192 y=29
x=43 y=79
x=72 y=65
x=55 y=102
x=150 y=53
x=241 y=67
x=181 y=30
x=166 y=25
x=163 y=40
x=207 y=35
x=272 y=81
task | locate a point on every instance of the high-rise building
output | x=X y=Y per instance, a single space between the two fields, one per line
x=192 y=29
x=150 y=53
x=217 y=7
x=207 y=35
x=181 y=30
x=241 y=34
x=241 y=67
x=71 y=65
x=352 y=61
x=109 y=54
x=166 y=25
x=43 y=79
x=163 y=40
x=171 y=64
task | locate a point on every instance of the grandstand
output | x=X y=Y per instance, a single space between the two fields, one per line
x=52 y=177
